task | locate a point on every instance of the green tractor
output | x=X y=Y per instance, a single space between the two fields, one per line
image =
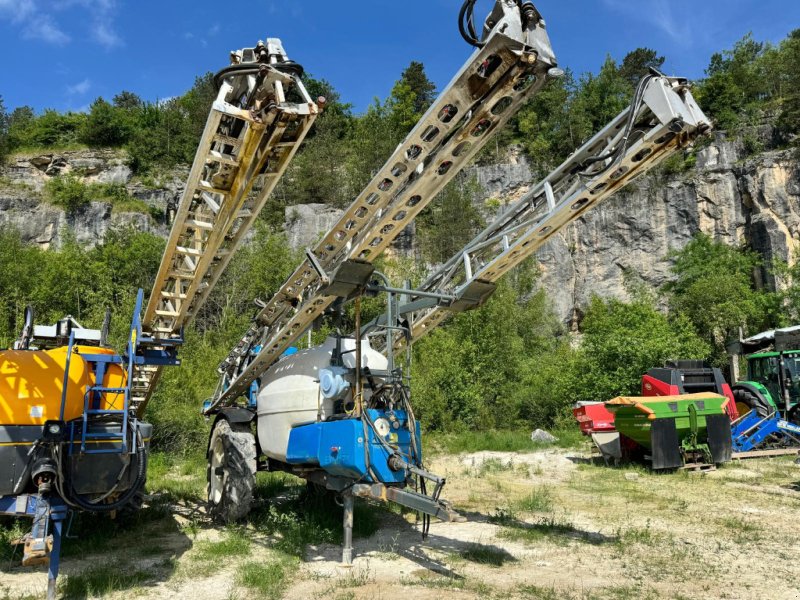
x=773 y=373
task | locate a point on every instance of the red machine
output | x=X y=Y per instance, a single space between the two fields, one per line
x=688 y=377
x=593 y=417
x=674 y=378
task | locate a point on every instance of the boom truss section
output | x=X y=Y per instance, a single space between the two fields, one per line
x=662 y=119
x=514 y=61
x=257 y=122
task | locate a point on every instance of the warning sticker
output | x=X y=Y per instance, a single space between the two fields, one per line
x=37 y=412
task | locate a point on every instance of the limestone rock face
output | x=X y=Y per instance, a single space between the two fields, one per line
x=732 y=198
x=23 y=207
x=731 y=195
x=305 y=224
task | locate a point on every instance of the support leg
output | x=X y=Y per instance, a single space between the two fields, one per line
x=347 y=549
x=55 y=559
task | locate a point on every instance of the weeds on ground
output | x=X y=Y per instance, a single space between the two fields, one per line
x=11 y=529
x=177 y=479
x=540 y=499
x=101 y=580
x=235 y=543
x=486 y=555
x=267 y=580
x=742 y=530
x=6 y=594
x=535 y=592
x=308 y=518
x=550 y=528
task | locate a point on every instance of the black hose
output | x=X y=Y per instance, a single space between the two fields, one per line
x=619 y=151
x=141 y=475
x=289 y=67
x=466 y=25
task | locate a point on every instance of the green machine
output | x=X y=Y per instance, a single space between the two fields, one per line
x=674 y=430
x=773 y=373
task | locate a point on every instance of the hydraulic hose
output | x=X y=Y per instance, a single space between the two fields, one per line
x=616 y=153
x=289 y=67
x=466 y=24
x=78 y=501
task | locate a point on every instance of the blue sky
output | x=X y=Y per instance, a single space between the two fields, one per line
x=64 y=53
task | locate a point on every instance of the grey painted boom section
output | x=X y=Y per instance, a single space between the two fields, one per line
x=667 y=119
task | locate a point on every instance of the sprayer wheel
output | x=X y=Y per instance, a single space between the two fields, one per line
x=231 y=472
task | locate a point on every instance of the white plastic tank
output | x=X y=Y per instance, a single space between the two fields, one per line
x=290 y=393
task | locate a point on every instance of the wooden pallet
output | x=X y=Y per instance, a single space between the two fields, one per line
x=698 y=467
x=764 y=453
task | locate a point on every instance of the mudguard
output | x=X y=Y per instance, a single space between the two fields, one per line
x=232 y=414
x=666 y=453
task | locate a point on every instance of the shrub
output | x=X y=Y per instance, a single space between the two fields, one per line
x=67 y=191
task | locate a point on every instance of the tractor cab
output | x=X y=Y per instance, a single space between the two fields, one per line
x=778 y=372
x=773 y=373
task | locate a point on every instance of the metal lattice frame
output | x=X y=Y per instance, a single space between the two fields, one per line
x=251 y=135
x=495 y=82
x=666 y=119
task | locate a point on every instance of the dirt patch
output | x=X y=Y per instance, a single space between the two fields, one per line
x=547 y=524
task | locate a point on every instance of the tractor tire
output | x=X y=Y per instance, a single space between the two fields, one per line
x=231 y=471
x=747 y=401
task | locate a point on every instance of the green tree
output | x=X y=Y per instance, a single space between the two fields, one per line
x=474 y=372
x=714 y=288
x=106 y=125
x=450 y=221
x=52 y=129
x=127 y=101
x=638 y=63
x=544 y=126
x=424 y=89
x=599 y=99
x=789 y=76
x=20 y=122
x=737 y=80
x=4 y=143
x=622 y=341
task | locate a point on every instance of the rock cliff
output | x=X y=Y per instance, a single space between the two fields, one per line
x=730 y=194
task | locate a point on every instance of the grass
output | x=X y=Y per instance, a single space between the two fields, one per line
x=536 y=592
x=486 y=555
x=177 y=478
x=305 y=518
x=101 y=580
x=11 y=529
x=539 y=500
x=267 y=580
x=236 y=543
x=742 y=530
x=30 y=151
x=553 y=529
x=497 y=440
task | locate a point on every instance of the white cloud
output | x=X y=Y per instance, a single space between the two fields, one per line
x=104 y=34
x=37 y=20
x=80 y=88
x=42 y=27
x=657 y=13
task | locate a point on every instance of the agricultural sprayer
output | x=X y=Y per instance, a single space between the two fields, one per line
x=340 y=414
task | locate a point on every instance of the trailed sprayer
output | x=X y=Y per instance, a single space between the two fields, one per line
x=340 y=414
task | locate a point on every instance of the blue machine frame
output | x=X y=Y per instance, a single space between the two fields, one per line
x=47 y=508
x=751 y=430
